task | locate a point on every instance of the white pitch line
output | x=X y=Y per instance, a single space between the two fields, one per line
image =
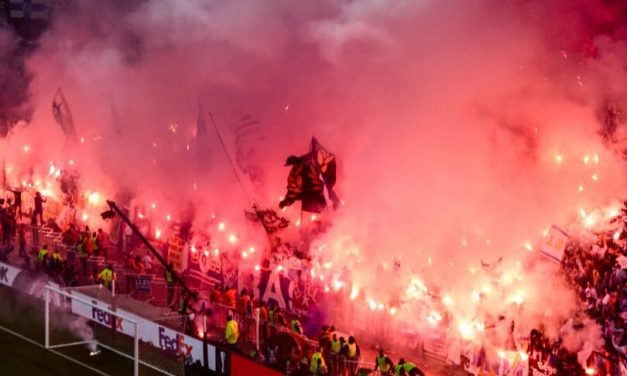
x=53 y=351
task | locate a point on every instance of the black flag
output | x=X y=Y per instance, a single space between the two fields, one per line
x=271 y=221
x=63 y=116
x=310 y=174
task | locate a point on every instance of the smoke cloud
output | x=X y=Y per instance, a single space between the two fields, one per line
x=463 y=130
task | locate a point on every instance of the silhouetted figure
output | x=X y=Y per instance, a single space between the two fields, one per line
x=39 y=208
x=17 y=202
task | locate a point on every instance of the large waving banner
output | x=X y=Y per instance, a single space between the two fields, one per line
x=554 y=244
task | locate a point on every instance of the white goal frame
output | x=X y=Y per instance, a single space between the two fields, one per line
x=134 y=358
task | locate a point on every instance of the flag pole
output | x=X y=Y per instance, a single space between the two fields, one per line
x=251 y=200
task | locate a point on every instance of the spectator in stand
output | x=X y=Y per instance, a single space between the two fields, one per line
x=271 y=313
x=103 y=242
x=597 y=271
x=35 y=232
x=93 y=243
x=39 y=208
x=17 y=204
x=147 y=263
x=296 y=327
x=128 y=233
x=250 y=307
x=263 y=319
x=21 y=238
x=216 y=295
x=230 y=297
x=263 y=311
x=6 y=249
x=86 y=232
x=8 y=223
x=70 y=236
x=129 y=262
x=279 y=317
x=90 y=244
x=243 y=301
x=139 y=265
x=81 y=250
x=324 y=340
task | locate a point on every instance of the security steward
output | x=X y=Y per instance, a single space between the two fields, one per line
x=231 y=332
x=383 y=363
x=107 y=276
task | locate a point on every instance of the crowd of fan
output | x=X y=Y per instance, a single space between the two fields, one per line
x=598 y=273
x=285 y=346
x=41 y=257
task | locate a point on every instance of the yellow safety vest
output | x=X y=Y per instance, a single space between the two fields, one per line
x=295 y=326
x=56 y=256
x=314 y=361
x=336 y=346
x=107 y=276
x=232 y=332
x=352 y=350
x=383 y=365
x=397 y=370
x=168 y=277
x=407 y=365
x=42 y=254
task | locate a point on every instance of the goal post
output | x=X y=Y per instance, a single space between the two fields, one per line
x=84 y=329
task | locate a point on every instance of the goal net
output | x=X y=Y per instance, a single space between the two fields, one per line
x=91 y=333
x=105 y=331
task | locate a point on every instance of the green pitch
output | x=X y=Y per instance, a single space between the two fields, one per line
x=24 y=315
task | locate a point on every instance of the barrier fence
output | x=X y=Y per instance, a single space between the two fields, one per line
x=152 y=288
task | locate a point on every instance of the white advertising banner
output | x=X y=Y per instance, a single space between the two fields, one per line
x=8 y=274
x=160 y=336
x=97 y=312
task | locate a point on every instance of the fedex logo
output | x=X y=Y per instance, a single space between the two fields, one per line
x=106 y=318
x=175 y=345
x=3 y=274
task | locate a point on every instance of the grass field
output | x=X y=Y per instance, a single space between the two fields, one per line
x=24 y=315
x=19 y=357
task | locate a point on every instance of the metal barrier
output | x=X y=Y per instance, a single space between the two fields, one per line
x=340 y=365
x=253 y=331
x=247 y=323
